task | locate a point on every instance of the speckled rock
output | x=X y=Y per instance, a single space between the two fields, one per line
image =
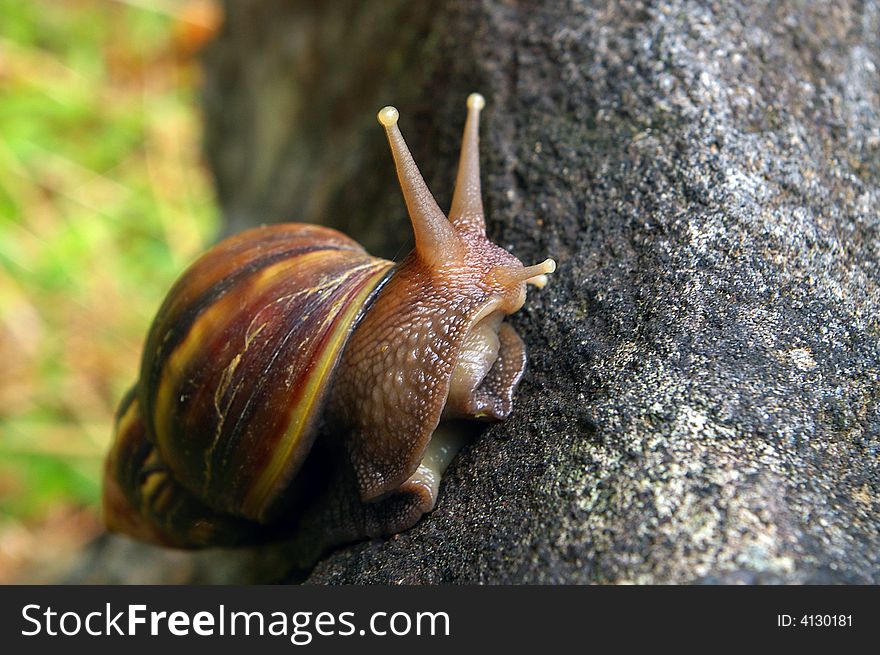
x=703 y=397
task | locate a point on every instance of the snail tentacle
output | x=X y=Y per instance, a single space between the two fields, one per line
x=436 y=239
x=466 y=211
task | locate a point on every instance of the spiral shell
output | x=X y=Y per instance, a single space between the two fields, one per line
x=239 y=359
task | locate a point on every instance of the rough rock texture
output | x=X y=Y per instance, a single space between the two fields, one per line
x=703 y=401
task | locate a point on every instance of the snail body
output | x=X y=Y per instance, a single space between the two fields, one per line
x=283 y=329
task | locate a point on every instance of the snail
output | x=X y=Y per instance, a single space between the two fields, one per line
x=287 y=331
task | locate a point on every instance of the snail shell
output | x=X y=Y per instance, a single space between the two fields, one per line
x=282 y=328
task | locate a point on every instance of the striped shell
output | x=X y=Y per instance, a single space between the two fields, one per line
x=238 y=361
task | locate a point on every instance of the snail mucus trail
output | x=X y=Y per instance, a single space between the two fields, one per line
x=283 y=328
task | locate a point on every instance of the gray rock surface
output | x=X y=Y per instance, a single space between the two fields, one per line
x=703 y=397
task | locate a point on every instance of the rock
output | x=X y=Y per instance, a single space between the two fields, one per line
x=702 y=402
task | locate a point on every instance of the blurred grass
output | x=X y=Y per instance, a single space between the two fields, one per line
x=103 y=201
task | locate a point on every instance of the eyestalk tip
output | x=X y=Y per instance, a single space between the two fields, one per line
x=388 y=116
x=476 y=101
x=539 y=281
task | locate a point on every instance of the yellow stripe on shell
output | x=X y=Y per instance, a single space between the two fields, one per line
x=209 y=322
x=259 y=495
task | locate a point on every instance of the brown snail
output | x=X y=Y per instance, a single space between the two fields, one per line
x=285 y=328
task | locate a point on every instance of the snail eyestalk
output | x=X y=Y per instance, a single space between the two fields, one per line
x=540 y=280
x=467 y=202
x=435 y=237
x=535 y=275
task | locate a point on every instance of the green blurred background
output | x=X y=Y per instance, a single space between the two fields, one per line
x=104 y=199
